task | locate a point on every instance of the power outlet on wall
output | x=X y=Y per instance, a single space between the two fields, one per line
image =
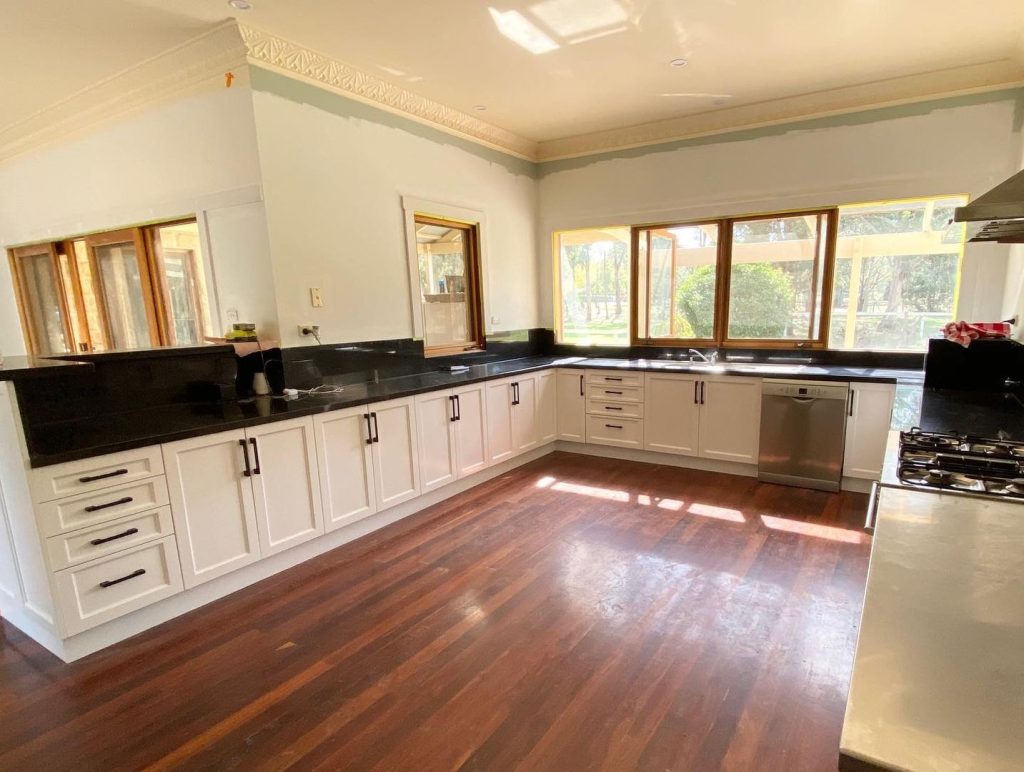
x=316 y=297
x=310 y=329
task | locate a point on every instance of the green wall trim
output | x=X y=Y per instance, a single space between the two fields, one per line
x=858 y=118
x=315 y=96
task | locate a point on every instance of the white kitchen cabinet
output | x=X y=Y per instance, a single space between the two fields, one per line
x=672 y=407
x=286 y=484
x=435 y=421
x=730 y=418
x=212 y=505
x=525 y=434
x=547 y=406
x=869 y=415
x=499 y=420
x=343 y=441
x=572 y=405
x=470 y=429
x=396 y=469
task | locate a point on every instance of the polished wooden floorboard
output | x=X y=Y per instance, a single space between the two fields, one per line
x=575 y=613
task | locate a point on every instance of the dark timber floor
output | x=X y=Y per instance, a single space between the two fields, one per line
x=576 y=613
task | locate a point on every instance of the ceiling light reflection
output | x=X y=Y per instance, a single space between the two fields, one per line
x=522 y=31
x=568 y=18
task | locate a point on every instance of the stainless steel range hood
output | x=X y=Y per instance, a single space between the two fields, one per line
x=998 y=215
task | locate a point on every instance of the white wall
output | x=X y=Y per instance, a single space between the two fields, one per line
x=966 y=147
x=333 y=184
x=196 y=153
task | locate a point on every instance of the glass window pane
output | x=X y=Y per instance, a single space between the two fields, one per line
x=775 y=277
x=896 y=275
x=186 y=300
x=42 y=298
x=593 y=267
x=444 y=252
x=679 y=280
x=123 y=295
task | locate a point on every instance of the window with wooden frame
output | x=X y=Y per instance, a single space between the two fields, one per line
x=450 y=295
x=761 y=281
x=124 y=289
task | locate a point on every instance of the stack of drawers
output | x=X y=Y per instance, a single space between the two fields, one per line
x=615 y=408
x=108 y=535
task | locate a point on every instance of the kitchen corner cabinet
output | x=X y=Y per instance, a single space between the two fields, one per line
x=547 y=406
x=343 y=440
x=869 y=415
x=571 y=397
x=525 y=435
x=499 y=420
x=396 y=467
x=730 y=418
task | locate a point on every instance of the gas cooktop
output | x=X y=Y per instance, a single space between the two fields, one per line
x=962 y=463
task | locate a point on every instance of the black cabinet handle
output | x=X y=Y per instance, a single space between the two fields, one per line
x=98 y=507
x=256 y=456
x=606 y=391
x=611 y=407
x=132 y=575
x=515 y=393
x=702 y=392
x=104 y=476
x=458 y=408
x=104 y=540
x=369 y=429
x=613 y=426
x=609 y=378
x=850 y=410
x=247 y=472
x=582 y=393
x=376 y=429
x=696 y=384
x=451 y=401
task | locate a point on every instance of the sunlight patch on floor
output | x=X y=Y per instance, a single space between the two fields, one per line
x=815 y=530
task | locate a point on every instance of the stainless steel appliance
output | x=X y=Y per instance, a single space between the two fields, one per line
x=961 y=464
x=997 y=215
x=803 y=430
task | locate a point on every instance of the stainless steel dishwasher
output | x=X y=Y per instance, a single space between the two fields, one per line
x=803 y=431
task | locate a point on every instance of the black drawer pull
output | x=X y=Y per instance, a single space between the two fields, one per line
x=98 y=507
x=104 y=540
x=609 y=407
x=612 y=392
x=132 y=575
x=256 y=456
x=613 y=426
x=609 y=378
x=104 y=476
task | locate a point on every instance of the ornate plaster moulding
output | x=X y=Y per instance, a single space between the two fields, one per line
x=291 y=58
x=195 y=65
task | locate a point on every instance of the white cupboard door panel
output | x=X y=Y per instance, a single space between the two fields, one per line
x=435 y=421
x=93 y=474
x=613 y=393
x=572 y=401
x=730 y=418
x=285 y=484
x=102 y=506
x=499 y=420
x=867 y=429
x=524 y=415
x=346 y=466
x=212 y=505
x=87 y=544
x=471 y=429
x=672 y=407
x=547 y=412
x=620 y=432
x=101 y=590
x=395 y=460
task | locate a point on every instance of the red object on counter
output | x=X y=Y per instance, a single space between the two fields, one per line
x=964 y=332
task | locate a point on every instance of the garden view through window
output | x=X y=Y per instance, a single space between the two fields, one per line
x=890 y=285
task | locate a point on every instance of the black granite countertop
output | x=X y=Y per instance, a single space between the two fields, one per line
x=20 y=368
x=991 y=414
x=83 y=438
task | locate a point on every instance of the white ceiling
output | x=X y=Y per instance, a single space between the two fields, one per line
x=607 y=67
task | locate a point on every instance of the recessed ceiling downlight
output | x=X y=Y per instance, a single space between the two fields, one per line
x=481 y=108
x=240 y=5
x=678 y=62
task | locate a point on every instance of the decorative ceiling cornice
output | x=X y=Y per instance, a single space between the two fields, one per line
x=194 y=65
x=291 y=58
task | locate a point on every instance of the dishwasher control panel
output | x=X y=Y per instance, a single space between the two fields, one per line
x=804 y=389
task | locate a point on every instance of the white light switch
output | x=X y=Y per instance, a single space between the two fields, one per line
x=316 y=297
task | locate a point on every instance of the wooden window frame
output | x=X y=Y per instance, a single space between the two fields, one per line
x=15 y=256
x=134 y=235
x=474 y=287
x=723 y=268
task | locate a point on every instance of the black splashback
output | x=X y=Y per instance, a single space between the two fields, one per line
x=307 y=366
x=983 y=365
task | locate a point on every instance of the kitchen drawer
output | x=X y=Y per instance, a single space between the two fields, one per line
x=81 y=546
x=627 y=409
x=102 y=506
x=93 y=474
x=623 y=432
x=614 y=378
x=614 y=393
x=101 y=590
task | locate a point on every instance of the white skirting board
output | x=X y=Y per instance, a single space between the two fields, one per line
x=127 y=626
